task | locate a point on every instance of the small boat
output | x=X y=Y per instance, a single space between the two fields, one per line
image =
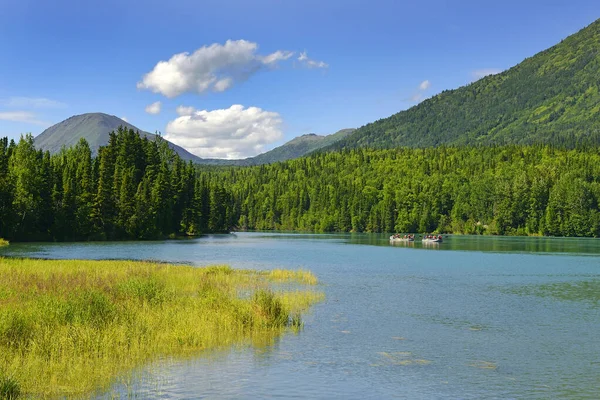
x=398 y=238
x=432 y=239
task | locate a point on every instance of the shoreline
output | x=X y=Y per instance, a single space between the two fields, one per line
x=72 y=327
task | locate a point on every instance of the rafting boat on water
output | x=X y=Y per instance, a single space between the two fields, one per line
x=398 y=238
x=432 y=239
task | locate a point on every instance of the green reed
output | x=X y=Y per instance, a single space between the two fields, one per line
x=69 y=327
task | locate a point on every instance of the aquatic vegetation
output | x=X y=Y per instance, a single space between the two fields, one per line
x=403 y=358
x=483 y=365
x=3 y=242
x=70 y=327
x=300 y=299
x=476 y=327
x=588 y=291
x=452 y=322
x=299 y=275
x=9 y=388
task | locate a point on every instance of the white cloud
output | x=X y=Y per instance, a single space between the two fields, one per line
x=125 y=119
x=216 y=67
x=481 y=73
x=182 y=110
x=419 y=94
x=276 y=57
x=223 y=84
x=31 y=102
x=22 y=116
x=153 y=108
x=416 y=98
x=310 y=63
x=235 y=132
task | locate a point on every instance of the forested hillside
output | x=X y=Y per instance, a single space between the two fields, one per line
x=524 y=190
x=134 y=188
x=552 y=97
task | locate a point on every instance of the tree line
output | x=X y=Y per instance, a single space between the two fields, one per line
x=134 y=189
x=504 y=190
x=140 y=189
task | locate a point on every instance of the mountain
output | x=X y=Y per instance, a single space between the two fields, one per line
x=552 y=97
x=298 y=147
x=93 y=127
x=295 y=148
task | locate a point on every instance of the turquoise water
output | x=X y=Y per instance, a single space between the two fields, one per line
x=475 y=317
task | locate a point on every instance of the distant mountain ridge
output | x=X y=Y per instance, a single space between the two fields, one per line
x=299 y=146
x=95 y=129
x=552 y=97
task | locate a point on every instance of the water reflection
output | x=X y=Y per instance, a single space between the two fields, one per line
x=212 y=373
x=403 y=244
x=498 y=244
x=509 y=244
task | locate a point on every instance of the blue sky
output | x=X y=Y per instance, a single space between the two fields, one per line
x=290 y=68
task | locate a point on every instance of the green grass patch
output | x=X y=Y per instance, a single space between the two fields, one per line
x=9 y=388
x=3 y=242
x=69 y=328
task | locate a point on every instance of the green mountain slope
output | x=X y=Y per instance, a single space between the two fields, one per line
x=551 y=97
x=298 y=147
x=93 y=127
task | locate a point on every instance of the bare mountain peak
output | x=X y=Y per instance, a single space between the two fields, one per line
x=95 y=129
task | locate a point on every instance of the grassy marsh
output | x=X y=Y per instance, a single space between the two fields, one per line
x=70 y=327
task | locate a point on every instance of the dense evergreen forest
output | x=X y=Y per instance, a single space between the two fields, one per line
x=137 y=188
x=552 y=97
x=505 y=190
x=134 y=188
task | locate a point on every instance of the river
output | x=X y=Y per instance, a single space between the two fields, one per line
x=473 y=317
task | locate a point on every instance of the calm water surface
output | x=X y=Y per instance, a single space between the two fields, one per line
x=471 y=318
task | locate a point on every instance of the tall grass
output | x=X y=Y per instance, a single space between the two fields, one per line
x=286 y=275
x=68 y=327
x=3 y=242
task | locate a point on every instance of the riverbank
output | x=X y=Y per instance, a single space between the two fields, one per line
x=70 y=327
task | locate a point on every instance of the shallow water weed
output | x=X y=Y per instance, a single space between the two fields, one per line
x=484 y=365
x=587 y=291
x=270 y=309
x=144 y=290
x=16 y=329
x=9 y=388
x=403 y=358
x=69 y=328
x=300 y=276
x=302 y=299
x=296 y=322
